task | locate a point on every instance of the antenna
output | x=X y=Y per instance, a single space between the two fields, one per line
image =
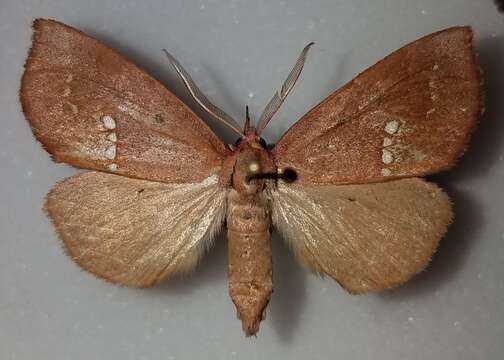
x=201 y=99
x=279 y=97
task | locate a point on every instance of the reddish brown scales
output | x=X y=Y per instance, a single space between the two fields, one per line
x=72 y=83
x=409 y=115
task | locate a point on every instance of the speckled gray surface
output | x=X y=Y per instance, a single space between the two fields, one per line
x=239 y=52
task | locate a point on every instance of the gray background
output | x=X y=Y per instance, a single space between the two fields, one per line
x=239 y=52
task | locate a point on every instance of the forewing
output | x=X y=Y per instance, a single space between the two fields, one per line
x=135 y=232
x=411 y=114
x=366 y=237
x=92 y=108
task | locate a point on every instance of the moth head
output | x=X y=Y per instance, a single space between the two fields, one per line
x=250 y=136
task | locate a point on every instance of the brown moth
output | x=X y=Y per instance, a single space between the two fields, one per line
x=342 y=186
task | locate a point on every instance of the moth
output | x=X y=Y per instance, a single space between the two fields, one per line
x=343 y=185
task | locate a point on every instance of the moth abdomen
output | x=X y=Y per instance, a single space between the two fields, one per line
x=250 y=265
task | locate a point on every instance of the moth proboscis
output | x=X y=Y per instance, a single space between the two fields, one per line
x=343 y=185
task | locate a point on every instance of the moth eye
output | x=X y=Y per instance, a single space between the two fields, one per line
x=288 y=175
x=238 y=141
x=263 y=142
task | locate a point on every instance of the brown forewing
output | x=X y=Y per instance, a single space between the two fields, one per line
x=411 y=114
x=92 y=108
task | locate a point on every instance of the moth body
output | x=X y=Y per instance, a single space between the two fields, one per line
x=248 y=229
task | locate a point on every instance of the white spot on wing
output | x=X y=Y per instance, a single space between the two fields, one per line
x=392 y=127
x=386 y=172
x=435 y=67
x=387 y=156
x=69 y=78
x=112 y=167
x=110 y=152
x=109 y=122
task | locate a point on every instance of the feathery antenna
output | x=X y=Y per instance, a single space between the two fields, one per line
x=279 y=97
x=201 y=99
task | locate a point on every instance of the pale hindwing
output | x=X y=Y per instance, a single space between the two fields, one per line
x=370 y=236
x=135 y=232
